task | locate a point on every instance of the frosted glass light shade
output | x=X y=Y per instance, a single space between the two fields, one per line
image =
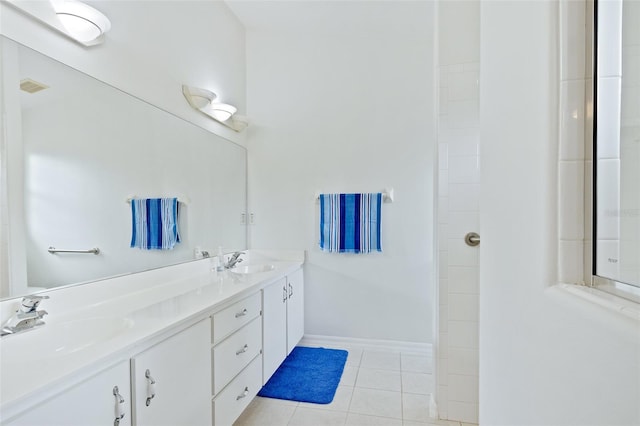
x=81 y=21
x=221 y=112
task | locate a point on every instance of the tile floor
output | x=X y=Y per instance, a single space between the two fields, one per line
x=377 y=388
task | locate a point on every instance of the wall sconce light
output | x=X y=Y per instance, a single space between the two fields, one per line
x=74 y=19
x=82 y=22
x=204 y=101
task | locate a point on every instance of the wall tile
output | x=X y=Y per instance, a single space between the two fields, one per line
x=461 y=254
x=463 y=113
x=462 y=142
x=443 y=401
x=443 y=264
x=463 y=279
x=460 y=223
x=463 y=86
x=609 y=130
x=588 y=200
x=608 y=199
x=443 y=371
x=572 y=33
x=608 y=259
x=570 y=261
x=463 y=361
x=463 y=411
x=443 y=184
x=443 y=236
x=464 y=197
x=572 y=117
x=463 y=307
x=443 y=209
x=443 y=156
x=463 y=388
x=571 y=200
x=463 y=334
x=464 y=169
x=444 y=345
x=588 y=122
x=443 y=318
x=444 y=293
x=610 y=60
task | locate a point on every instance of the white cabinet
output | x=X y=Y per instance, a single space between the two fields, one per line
x=237 y=364
x=96 y=401
x=283 y=320
x=171 y=381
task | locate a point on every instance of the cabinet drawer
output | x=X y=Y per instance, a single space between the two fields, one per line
x=233 y=354
x=232 y=401
x=235 y=316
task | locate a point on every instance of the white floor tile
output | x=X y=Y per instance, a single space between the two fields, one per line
x=340 y=402
x=417 y=383
x=376 y=402
x=266 y=412
x=379 y=379
x=354 y=357
x=349 y=375
x=415 y=407
x=416 y=363
x=312 y=417
x=363 y=420
x=381 y=360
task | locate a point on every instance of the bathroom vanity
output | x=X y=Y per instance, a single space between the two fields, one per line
x=177 y=345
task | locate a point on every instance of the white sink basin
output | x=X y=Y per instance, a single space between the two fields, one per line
x=253 y=269
x=63 y=338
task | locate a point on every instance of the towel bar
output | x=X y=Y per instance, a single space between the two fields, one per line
x=182 y=200
x=387 y=196
x=54 y=250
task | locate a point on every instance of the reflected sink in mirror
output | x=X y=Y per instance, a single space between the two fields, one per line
x=63 y=338
x=253 y=269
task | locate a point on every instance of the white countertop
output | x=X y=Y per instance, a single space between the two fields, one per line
x=93 y=326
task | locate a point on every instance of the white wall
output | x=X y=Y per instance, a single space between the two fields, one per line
x=546 y=358
x=348 y=111
x=152 y=49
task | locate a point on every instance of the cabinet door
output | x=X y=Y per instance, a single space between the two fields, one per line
x=91 y=402
x=295 y=309
x=274 y=326
x=177 y=372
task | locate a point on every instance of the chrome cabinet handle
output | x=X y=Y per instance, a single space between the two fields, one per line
x=243 y=350
x=472 y=239
x=243 y=394
x=290 y=290
x=119 y=406
x=151 y=387
x=241 y=314
x=284 y=294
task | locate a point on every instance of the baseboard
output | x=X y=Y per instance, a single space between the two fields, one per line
x=424 y=349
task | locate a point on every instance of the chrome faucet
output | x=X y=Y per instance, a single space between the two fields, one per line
x=234 y=260
x=27 y=317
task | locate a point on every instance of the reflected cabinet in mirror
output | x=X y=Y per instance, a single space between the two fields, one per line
x=75 y=150
x=617 y=143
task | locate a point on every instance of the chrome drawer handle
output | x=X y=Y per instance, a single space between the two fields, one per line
x=244 y=394
x=151 y=387
x=241 y=314
x=243 y=350
x=284 y=294
x=119 y=406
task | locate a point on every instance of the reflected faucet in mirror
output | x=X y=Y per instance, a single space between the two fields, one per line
x=27 y=317
x=234 y=260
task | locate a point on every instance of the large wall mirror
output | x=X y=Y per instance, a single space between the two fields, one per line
x=617 y=143
x=76 y=151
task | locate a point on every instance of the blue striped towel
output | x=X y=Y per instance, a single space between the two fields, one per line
x=154 y=223
x=350 y=223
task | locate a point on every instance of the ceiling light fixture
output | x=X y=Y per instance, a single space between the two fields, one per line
x=81 y=21
x=203 y=101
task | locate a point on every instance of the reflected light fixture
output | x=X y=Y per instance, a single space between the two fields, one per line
x=81 y=21
x=204 y=101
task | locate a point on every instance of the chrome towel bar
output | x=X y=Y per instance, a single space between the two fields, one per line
x=54 y=250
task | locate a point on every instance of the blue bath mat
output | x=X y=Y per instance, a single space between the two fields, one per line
x=307 y=375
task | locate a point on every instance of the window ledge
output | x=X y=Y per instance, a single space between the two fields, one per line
x=625 y=307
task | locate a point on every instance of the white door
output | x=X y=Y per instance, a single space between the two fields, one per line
x=172 y=380
x=295 y=309
x=274 y=326
x=96 y=401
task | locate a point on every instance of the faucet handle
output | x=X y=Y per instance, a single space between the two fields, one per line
x=30 y=303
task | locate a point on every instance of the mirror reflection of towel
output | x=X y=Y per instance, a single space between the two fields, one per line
x=154 y=223
x=350 y=223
